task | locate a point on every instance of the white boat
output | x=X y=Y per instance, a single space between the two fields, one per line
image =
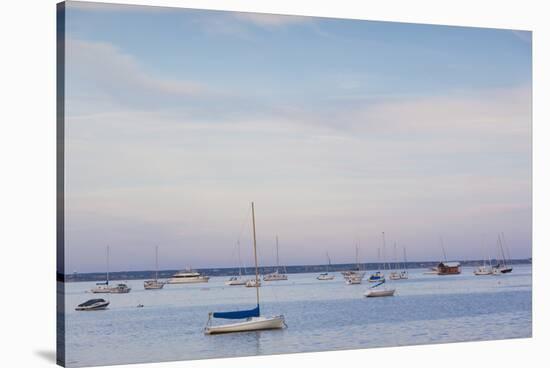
x=251 y=324
x=154 y=284
x=252 y=319
x=354 y=277
x=187 y=277
x=379 y=293
x=276 y=276
x=106 y=288
x=354 y=280
x=484 y=270
x=376 y=290
x=93 y=304
x=253 y=283
x=403 y=274
x=120 y=288
x=325 y=276
x=378 y=276
x=237 y=280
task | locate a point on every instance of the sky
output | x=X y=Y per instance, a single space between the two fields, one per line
x=338 y=130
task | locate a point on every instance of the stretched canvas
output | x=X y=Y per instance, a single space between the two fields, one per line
x=237 y=184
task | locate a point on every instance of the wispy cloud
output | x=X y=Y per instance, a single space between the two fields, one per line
x=101 y=69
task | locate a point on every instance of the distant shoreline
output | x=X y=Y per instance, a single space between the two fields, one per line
x=231 y=271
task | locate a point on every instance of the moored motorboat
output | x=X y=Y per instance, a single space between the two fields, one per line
x=93 y=304
x=187 y=277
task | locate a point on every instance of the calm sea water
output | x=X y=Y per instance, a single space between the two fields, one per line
x=321 y=315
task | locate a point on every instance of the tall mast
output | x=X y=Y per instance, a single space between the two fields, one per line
x=328 y=259
x=384 y=250
x=443 y=248
x=156 y=262
x=378 y=258
x=395 y=264
x=277 y=246
x=357 y=256
x=502 y=250
x=255 y=255
x=239 y=255
x=107 y=265
x=404 y=258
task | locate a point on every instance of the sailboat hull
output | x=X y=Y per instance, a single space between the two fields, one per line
x=380 y=293
x=235 y=282
x=253 y=324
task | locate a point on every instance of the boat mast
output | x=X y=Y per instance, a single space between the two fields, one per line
x=328 y=259
x=356 y=256
x=395 y=264
x=255 y=255
x=156 y=262
x=239 y=255
x=107 y=265
x=404 y=258
x=277 y=246
x=443 y=248
x=502 y=251
x=384 y=250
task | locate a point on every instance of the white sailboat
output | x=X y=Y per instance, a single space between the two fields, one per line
x=354 y=277
x=154 y=284
x=376 y=290
x=325 y=276
x=378 y=276
x=276 y=276
x=237 y=280
x=502 y=267
x=253 y=320
x=105 y=288
x=394 y=274
x=401 y=273
x=484 y=270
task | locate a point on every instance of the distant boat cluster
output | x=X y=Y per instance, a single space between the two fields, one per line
x=254 y=321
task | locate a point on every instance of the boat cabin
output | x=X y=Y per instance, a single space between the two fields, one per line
x=448 y=268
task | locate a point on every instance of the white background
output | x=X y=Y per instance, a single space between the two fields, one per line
x=27 y=182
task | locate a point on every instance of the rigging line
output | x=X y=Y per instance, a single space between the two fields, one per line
x=239 y=237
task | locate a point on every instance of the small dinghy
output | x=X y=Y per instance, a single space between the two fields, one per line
x=253 y=320
x=93 y=304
